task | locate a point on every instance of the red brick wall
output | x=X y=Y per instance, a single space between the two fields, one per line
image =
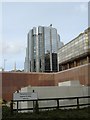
x=81 y=73
x=13 y=81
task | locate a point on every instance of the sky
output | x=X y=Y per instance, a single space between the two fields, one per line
x=69 y=18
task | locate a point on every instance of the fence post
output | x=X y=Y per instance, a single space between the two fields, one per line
x=11 y=106
x=17 y=106
x=35 y=106
x=17 y=102
x=77 y=103
x=57 y=103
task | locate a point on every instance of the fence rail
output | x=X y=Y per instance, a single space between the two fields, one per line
x=36 y=106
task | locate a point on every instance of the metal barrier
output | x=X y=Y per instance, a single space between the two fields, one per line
x=36 y=107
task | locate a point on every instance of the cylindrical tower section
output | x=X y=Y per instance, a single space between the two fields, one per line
x=30 y=46
x=32 y=51
x=50 y=48
x=58 y=46
x=27 y=55
x=41 y=48
x=43 y=51
x=37 y=51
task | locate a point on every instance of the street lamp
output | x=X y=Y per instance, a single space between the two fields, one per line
x=4 y=63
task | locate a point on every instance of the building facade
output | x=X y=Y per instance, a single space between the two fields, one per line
x=76 y=52
x=74 y=64
x=41 y=52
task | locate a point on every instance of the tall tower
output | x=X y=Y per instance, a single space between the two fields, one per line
x=41 y=52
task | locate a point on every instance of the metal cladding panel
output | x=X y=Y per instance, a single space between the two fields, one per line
x=30 y=44
x=37 y=54
x=32 y=51
x=47 y=39
x=40 y=29
x=54 y=40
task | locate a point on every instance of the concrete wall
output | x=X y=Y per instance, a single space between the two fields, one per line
x=56 y=92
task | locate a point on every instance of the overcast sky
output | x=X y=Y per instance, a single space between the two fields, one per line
x=69 y=18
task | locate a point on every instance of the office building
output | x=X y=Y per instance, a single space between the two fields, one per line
x=41 y=52
x=76 y=52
